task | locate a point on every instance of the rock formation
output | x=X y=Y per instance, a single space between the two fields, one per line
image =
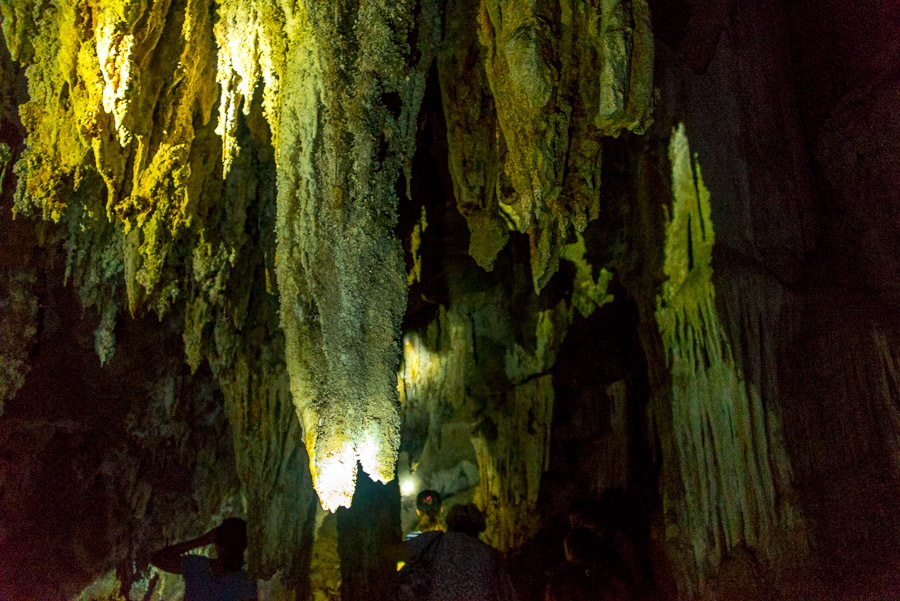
x=263 y=258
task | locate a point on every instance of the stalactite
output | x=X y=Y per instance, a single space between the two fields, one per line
x=251 y=53
x=112 y=100
x=138 y=177
x=589 y=294
x=726 y=444
x=140 y=188
x=232 y=321
x=167 y=210
x=541 y=62
x=475 y=150
x=341 y=275
x=18 y=280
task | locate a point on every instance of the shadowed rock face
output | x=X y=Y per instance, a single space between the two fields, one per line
x=638 y=245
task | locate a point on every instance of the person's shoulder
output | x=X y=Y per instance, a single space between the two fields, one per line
x=195 y=560
x=422 y=540
x=191 y=564
x=479 y=544
x=425 y=537
x=473 y=547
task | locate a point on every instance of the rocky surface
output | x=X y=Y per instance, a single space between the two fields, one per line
x=239 y=225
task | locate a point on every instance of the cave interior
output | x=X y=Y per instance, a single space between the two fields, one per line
x=295 y=261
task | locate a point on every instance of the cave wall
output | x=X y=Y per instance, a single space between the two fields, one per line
x=156 y=253
x=99 y=465
x=767 y=350
x=796 y=301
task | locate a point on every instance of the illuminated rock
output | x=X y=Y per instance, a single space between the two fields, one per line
x=562 y=75
x=341 y=276
x=730 y=449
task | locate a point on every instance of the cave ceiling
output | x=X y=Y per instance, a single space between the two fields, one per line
x=132 y=147
x=514 y=251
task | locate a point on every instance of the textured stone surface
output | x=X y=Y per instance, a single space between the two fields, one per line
x=340 y=268
x=145 y=180
x=731 y=459
x=18 y=299
x=252 y=173
x=476 y=384
x=105 y=464
x=152 y=221
x=563 y=75
x=462 y=422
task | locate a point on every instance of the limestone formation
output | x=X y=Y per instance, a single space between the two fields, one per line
x=230 y=228
x=18 y=320
x=563 y=75
x=731 y=458
x=340 y=268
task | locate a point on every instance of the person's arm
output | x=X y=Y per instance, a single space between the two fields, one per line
x=168 y=559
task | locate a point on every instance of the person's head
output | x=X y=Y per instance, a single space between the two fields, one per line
x=231 y=541
x=466 y=518
x=429 y=510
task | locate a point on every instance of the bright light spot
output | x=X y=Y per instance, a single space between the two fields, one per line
x=114 y=51
x=407 y=487
x=370 y=456
x=334 y=478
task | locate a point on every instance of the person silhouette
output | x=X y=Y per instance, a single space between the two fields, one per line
x=588 y=573
x=205 y=579
x=455 y=565
x=429 y=512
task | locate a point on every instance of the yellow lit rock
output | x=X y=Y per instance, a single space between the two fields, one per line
x=341 y=276
x=729 y=447
x=152 y=129
x=533 y=57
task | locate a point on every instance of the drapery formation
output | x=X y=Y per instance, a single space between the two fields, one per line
x=527 y=106
x=732 y=471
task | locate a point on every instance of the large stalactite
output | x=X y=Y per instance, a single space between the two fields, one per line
x=538 y=90
x=341 y=274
